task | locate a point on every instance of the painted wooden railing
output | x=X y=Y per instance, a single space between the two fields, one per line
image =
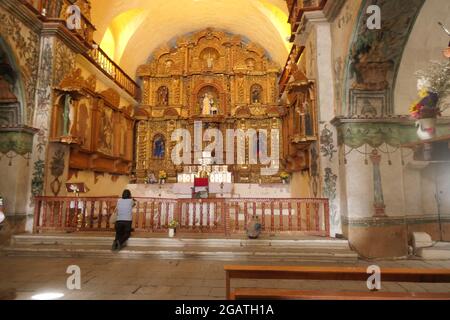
x=225 y=216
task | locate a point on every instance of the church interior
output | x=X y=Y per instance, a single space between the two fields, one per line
x=269 y=132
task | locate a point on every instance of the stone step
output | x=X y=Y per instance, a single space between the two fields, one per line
x=329 y=244
x=220 y=254
x=439 y=251
x=181 y=248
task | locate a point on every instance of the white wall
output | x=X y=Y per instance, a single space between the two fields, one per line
x=426 y=42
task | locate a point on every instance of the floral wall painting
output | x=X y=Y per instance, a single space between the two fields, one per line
x=327 y=147
x=330 y=192
x=37 y=183
x=57 y=169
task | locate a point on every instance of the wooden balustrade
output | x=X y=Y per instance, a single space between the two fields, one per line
x=100 y=59
x=225 y=216
x=86 y=35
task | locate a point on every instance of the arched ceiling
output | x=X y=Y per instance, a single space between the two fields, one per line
x=130 y=30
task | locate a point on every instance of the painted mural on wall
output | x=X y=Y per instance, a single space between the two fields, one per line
x=330 y=192
x=327 y=146
x=57 y=169
x=375 y=57
x=25 y=45
x=56 y=61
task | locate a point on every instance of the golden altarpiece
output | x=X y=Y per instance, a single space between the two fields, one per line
x=98 y=130
x=212 y=77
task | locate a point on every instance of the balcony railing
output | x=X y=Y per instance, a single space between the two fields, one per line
x=100 y=59
x=225 y=216
x=85 y=34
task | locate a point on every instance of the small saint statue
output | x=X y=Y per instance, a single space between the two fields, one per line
x=68 y=115
x=209 y=60
x=256 y=95
x=163 y=96
x=207 y=105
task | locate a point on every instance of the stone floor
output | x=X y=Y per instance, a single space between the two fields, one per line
x=119 y=279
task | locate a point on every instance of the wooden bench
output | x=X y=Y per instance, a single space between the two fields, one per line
x=280 y=294
x=331 y=273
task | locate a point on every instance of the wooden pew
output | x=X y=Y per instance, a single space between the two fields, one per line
x=281 y=294
x=330 y=273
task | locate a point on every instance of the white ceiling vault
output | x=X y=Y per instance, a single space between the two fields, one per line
x=130 y=30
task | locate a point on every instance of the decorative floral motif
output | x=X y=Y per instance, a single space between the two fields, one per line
x=57 y=165
x=57 y=169
x=327 y=144
x=329 y=192
x=37 y=184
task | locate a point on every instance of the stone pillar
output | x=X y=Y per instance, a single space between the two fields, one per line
x=318 y=35
x=57 y=58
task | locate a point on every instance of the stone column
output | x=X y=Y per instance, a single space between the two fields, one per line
x=318 y=27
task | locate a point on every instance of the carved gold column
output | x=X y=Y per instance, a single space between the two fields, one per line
x=142 y=152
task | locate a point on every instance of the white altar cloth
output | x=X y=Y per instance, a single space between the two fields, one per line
x=230 y=190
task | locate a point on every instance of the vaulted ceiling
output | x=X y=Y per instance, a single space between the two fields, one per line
x=130 y=30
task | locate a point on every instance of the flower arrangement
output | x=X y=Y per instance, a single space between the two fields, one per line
x=173 y=224
x=162 y=175
x=434 y=87
x=284 y=176
x=426 y=106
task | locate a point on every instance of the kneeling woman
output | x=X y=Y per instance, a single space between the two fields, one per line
x=124 y=220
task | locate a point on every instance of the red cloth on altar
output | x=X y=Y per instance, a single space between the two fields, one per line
x=201 y=182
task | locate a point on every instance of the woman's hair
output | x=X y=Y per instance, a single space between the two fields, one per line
x=126 y=194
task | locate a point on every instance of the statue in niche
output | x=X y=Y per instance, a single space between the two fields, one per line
x=250 y=64
x=68 y=115
x=209 y=61
x=308 y=119
x=163 y=96
x=256 y=94
x=168 y=66
x=209 y=56
x=208 y=105
x=105 y=133
x=159 y=147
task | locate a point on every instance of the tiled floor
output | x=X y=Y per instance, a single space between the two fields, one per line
x=118 y=279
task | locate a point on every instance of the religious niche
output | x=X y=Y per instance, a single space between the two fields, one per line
x=159 y=147
x=163 y=96
x=209 y=56
x=208 y=98
x=256 y=94
x=105 y=134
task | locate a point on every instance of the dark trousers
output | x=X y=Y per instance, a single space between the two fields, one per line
x=123 y=231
